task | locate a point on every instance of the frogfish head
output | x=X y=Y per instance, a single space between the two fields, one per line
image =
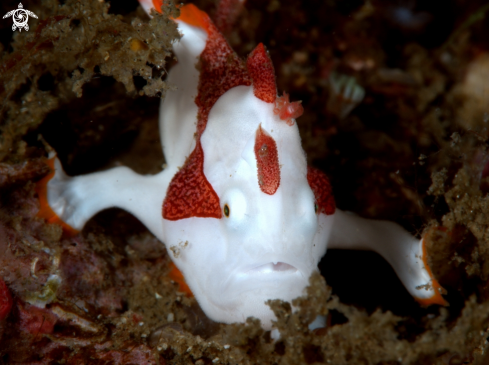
x=255 y=162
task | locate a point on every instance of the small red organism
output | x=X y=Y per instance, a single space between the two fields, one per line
x=260 y=68
x=35 y=320
x=267 y=162
x=322 y=190
x=5 y=300
x=287 y=110
x=136 y=318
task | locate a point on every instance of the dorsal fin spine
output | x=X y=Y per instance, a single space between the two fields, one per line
x=260 y=68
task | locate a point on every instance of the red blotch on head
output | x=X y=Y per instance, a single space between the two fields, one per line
x=322 y=190
x=267 y=162
x=5 y=300
x=261 y=70
x=190 y=194
x=287 y=110
x=220 y=70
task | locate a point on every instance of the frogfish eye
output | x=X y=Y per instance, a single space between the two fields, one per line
x=226 y=210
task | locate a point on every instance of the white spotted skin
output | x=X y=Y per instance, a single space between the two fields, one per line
x=270 y=244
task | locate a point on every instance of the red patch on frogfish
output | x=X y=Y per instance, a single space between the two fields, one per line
x=319 y=183
x=267 y=162
x=287 y=110
x=220 y=70
x=190 y=194
x=262 y=73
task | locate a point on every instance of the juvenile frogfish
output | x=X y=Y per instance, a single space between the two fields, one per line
x=243 y=217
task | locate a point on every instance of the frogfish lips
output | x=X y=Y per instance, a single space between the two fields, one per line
x=272 y=267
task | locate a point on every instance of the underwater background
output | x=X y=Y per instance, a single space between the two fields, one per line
x=396 y=112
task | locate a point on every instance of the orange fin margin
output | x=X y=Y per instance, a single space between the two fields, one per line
x=437 y=288
x=45 y=210
x=157 y=5
x=189 y=14
x=192 y=15
x=177 y=276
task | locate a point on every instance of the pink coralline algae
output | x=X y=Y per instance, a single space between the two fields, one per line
x=35 y=320
x=287 y=110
